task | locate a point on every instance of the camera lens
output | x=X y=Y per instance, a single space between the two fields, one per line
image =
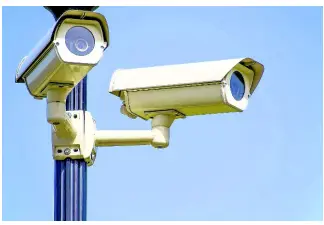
x=81 y=45
x=79 y=40
x=237 y=86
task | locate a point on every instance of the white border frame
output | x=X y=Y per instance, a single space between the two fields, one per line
x=159 y=3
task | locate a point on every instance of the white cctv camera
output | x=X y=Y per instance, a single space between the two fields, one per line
x=187 y=89
x=65 y=55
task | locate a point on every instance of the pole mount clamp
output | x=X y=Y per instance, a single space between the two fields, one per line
x=82 y=146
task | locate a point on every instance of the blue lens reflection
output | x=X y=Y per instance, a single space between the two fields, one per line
x=79 y=40
x=237 y=86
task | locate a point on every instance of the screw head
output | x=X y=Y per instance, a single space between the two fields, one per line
x=93 y=156
x=67 y=151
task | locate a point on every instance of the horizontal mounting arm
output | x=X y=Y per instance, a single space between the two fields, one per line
x=123 y=138
x=74 y=133
x=157 y=137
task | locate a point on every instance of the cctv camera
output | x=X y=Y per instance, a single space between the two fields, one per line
x=66 y=54
x=187 y=89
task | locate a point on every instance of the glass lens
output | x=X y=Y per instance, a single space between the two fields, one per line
x=80 y=41
x=237 y=86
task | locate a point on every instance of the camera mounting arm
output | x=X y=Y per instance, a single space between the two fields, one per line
x=74 y=133
x=56 y=113
x=158 y=137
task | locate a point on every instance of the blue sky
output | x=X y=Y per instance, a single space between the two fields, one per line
x=263 y=164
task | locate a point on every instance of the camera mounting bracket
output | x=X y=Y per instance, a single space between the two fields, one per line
x=74 y=133
x=80 y=146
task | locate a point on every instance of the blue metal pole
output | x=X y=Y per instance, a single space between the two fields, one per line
x=70 y=179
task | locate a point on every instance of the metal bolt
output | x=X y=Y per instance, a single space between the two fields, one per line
x=69 y=115
x=93 y=156
x=67 y=151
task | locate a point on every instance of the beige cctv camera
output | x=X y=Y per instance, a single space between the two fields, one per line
x=187 y=89
x=71 y=48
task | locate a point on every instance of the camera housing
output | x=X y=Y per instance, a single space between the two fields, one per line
x=187 y=89
x=70 y=49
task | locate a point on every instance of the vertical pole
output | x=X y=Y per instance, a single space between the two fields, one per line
x=70 y=178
